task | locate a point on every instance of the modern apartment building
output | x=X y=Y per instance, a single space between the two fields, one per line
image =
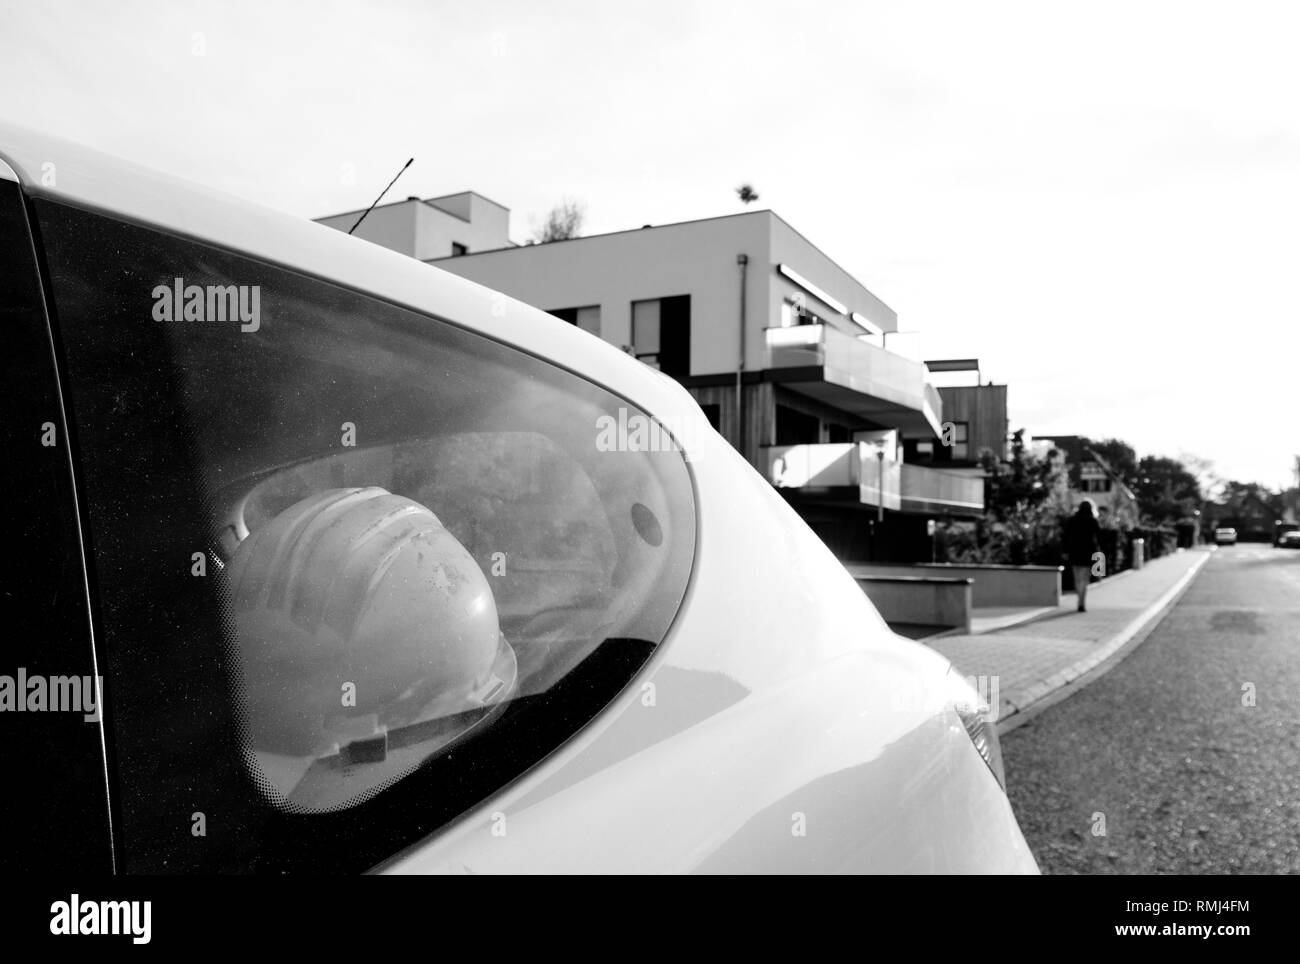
x=783 y=349
x=974 y=421
x=440 y=227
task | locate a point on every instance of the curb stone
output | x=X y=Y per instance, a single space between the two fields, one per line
x=1037 y=694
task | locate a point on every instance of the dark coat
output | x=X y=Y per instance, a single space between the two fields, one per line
x=1082 y=538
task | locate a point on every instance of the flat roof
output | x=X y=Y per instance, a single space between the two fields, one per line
x=605 y=234
x=953 y=364
x=481 y=197
x=418 y=200
x=659 y=227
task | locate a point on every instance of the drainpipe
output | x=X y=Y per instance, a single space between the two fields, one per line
x=880 y=502
x=743 y=261
x=877 y=531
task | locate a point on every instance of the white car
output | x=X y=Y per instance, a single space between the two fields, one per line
x=385 y=570
x=1225 y=536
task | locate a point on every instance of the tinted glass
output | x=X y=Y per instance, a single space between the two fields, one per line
x=359 y=568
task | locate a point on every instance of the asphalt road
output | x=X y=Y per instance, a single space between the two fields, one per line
x=1161 y=754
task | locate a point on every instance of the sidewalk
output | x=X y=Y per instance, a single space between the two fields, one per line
x=1033 y=660
x=988 y=619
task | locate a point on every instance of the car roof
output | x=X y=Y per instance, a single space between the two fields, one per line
x=51 y=167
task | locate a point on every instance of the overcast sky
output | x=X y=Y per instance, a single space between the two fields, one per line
x=1099 y=201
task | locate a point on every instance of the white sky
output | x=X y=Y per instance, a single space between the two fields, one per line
x=1100 y=201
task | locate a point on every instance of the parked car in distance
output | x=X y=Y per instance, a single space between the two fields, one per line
x=385 y=571
x=1289 y=539
x=1225 y=536
x=1285 y=534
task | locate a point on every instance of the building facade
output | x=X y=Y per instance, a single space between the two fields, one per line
x=974 y=422
x=782 y=348
x=440 y=227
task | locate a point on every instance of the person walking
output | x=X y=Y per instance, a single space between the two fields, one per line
x=1082 y=544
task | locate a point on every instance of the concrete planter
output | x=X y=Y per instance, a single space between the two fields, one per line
x=991 y=585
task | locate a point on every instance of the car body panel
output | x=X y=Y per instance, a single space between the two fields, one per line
x=815 y=709
x=781 y=726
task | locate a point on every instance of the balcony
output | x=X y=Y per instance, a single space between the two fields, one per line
x=895 y=485
x=930 y=491
x=855 y=376
x=832 y=465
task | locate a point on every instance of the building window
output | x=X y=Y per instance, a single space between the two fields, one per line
x=457 y=249
x=1093 y=478
x=797 y=313
x=959 y=448
x=661 y=334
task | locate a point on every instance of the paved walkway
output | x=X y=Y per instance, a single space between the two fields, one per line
x=1032 y=660
x=987 y=619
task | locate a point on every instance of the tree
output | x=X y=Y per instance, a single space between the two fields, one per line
x=1166 y=491
x=1022 y=483
x=1236 y=493
x=1209 y=480
x=1291 y=504
x=747 y=194
x=564 y=221
x=1025 y=497
x=1250 y=507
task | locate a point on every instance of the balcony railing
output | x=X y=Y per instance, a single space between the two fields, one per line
x=857 y=376
x=895 y=485
x=924 y=487
x=812 y=466
x=933 y=402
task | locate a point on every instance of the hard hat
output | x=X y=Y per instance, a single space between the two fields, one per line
x=356 y=612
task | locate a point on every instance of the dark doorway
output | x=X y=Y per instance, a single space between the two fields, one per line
x=675 y=336
x=796 y=428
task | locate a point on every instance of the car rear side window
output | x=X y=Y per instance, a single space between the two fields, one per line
x=358 y=567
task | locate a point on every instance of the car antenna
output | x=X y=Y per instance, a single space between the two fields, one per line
x=381 y=196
